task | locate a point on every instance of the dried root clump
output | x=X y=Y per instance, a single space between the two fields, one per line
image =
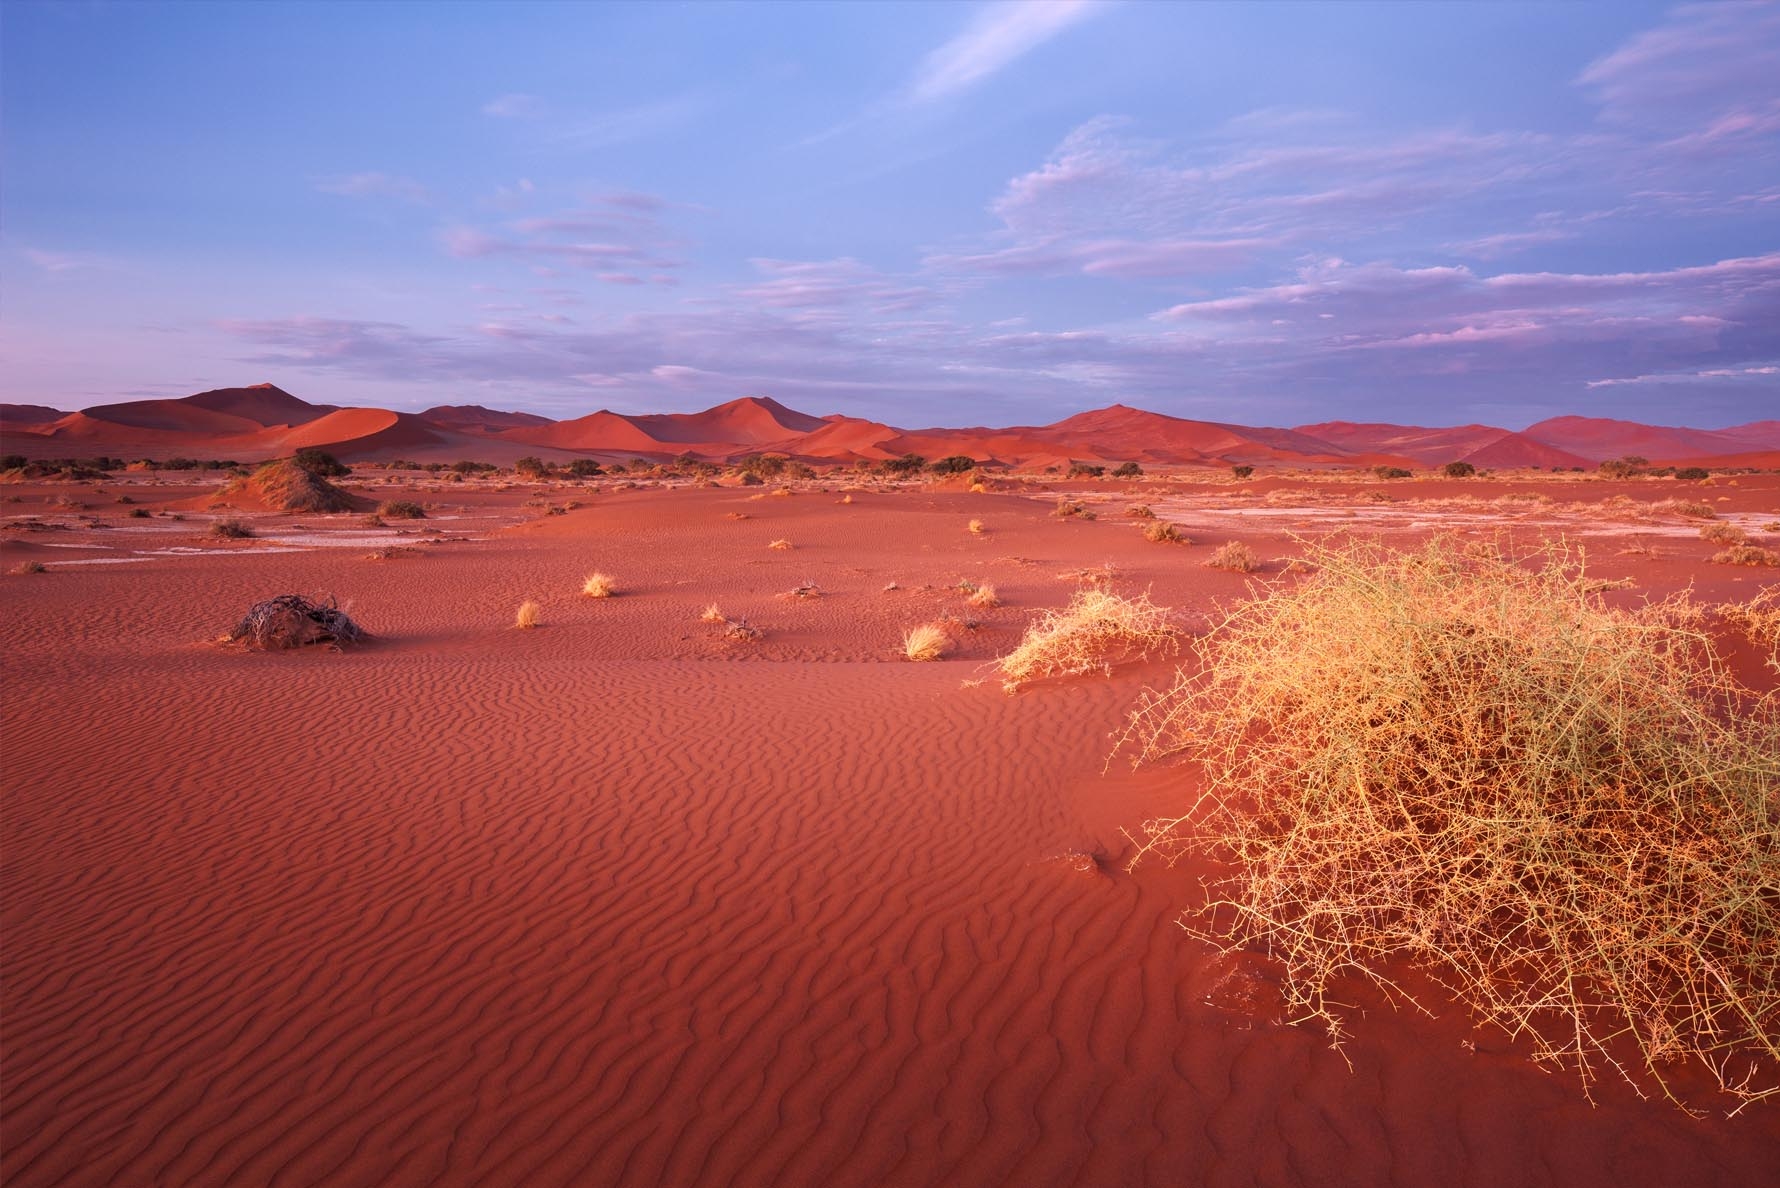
x=1569 y=815
x=1098 y=629
x=292 y=621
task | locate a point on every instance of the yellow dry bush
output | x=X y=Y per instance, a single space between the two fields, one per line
x=1568 y=815
x=983 y=596
x=975 y=527
x=598 y=585
x=779 y=544
x=1233 y=556
x=713 y=614
x=1098 y=629
x=929 y=641
x=527 y=618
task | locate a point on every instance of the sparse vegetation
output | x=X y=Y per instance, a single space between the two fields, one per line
x=1072 y=509
x=1085 y=470
x=1458 y=470
x=231 y=529
x=1747 y=554
x=929 y=641
x=955 y=464
x=1162 y=532
x=528 y=615
x=1390 y=472
x=320 y=463
x=713 y=614
x=598 y=585
x=1140 y=511
x=983 y=595
x=1693 y=474
x=1723 y=534
x=1688 y=509
x=1234 y=556
x=1095 y=631
x=1563 y=813
x=401 y=509
x=1127 y=470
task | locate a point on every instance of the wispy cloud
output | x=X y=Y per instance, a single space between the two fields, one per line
x=1769 y=374
x=514 y=107
x=996 y=37
x=56 y=262
x=552 y=126
x=374 y=185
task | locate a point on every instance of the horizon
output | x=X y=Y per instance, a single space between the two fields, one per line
x=995 y=214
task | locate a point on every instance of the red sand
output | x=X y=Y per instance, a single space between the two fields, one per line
x=616 y=902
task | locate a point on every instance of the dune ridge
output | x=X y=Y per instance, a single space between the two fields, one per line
x=264 y=421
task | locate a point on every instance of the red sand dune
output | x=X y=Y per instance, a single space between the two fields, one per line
x=473 y=418
x=249 y=424
x=16 y=416
x=1598 y=438
x=1427 y=447
x=1522 y=450
x=614 y=903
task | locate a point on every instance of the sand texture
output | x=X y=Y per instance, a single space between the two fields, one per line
x=619 y=901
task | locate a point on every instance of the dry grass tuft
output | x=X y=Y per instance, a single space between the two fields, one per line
x=1233 y=556
x=1686 y=508
x=739 y=631
x=1747 y=554
x=779 y=544
x=713 y=614
x=231 y=529
x=1095 y=631
x=1723 y=534
x=1162 y=532
x=983 y=596
x=1072 y=509
x=1140 y=511
x=1568 y=815
x=929 y=641
x=975 y=528
x=29 y=567
x=527 y=618
x=598 y=585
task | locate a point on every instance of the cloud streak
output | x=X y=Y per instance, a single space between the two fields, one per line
x=999 y=35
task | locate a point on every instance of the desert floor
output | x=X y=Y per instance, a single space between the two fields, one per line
x=619 y=901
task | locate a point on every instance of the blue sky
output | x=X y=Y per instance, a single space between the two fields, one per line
x=923 y=213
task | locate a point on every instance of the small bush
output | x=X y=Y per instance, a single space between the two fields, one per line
x=1085 y=470
x=13 y=461
x=1140 y=511
x=141 y=513
x=401 y=509
x=956 y=464
x=713 y=614
x=231 y=529
x=904 y=466
x=1747 y=554
x=598 y=585
x=1072 y=509
x=975 y=527
x=1723 y=534
x=983 y=596
x=779 y=544
x=582 y=468
x=1233 y=556
x=1128 y=470
x=1242 y=472
x=1095 y=631
x=1162 y=532
x=1390 y=472
x=1693 y=474
x=1458 y=470
x=27 y=567
x=1688 y=509
x=528 y=615
x=320 y=463
x=1564 y=813
x=929 y=641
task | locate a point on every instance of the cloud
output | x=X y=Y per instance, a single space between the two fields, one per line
x=996 y=37
x=375 y=185
x=515 y=107
x=58 y=262
x=611 y=234
x=832 y=285
x=1768 y=374
x=1703 y=58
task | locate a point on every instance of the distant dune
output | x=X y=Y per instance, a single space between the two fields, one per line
x=264 y=421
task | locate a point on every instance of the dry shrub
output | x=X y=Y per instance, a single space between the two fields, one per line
x=1758 y=621
x=1686 y=508
x=1162 y=532
x=1140 y=511
x=1233 y=556
x=286 y=486
x=29 y=567
x=1095 y=631
x=739 y=631
x=713 y=614
x=1565 y=813
x=599 y=585
x=1723 y=534
x=1072 y=509
x=401 y=509
x=779 y=544
x=975 y=527
x=231 y=529
x=292 y=621
x=527 y=618
x=983 y=596
x=929 y=641
x=1747 y=554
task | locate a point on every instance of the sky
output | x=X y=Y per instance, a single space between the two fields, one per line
x=926 y=214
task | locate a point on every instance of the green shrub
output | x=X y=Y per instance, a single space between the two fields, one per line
x=1128 y=470
x=320 y=464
